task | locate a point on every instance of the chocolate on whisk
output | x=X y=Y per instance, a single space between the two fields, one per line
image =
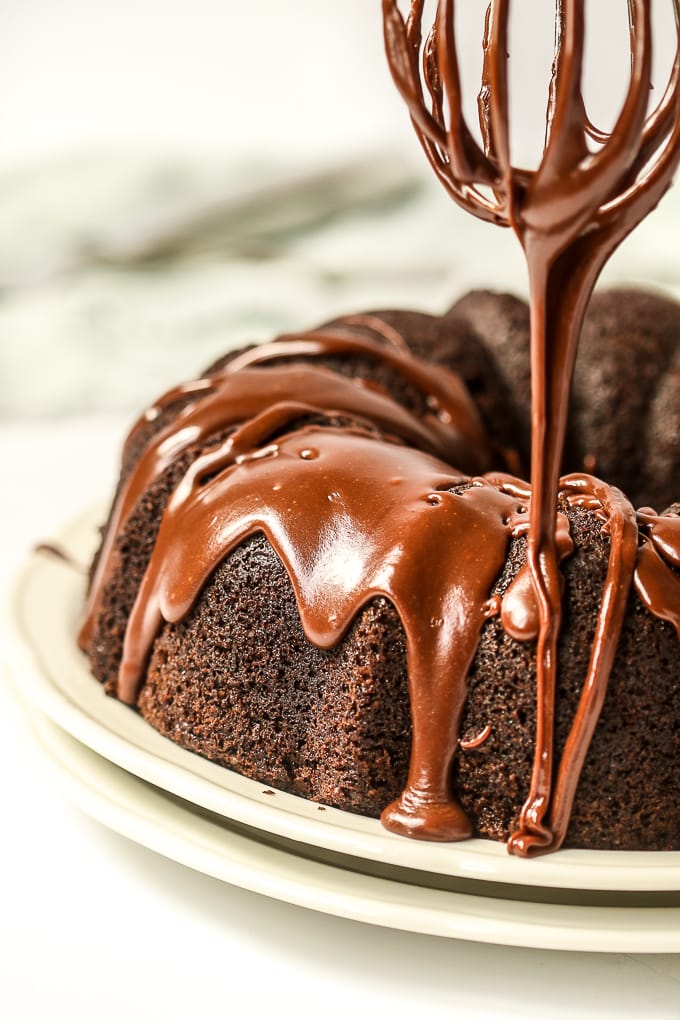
x=569 y=213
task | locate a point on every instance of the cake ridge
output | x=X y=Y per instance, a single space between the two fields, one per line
x=274 y=446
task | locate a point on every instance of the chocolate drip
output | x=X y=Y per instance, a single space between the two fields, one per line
x=452 y=429
x=620 y=524
x=59 y=553
x=462 y=432
x=569 y=215
x=656 y=577
x=354 y=515
x=351 y=518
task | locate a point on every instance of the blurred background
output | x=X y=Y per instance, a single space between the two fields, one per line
x=179 y=176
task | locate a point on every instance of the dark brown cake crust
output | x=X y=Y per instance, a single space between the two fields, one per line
x=624 y=417
x=628 y=795
x=238 y=682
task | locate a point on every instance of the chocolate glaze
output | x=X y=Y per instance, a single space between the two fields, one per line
x=353 y=514
x=451 y=428
x=351 y=517
x=569 y=216
x=657 y=585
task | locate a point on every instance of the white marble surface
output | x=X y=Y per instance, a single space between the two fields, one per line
x=119 y=277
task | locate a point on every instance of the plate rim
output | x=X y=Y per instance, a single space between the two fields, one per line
x=243 y=799
x=143 y=813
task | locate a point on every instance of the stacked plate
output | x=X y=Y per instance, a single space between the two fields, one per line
x=130 y=778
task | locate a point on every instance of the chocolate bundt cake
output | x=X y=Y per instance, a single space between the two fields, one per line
x=322 y=567
x=314 y=572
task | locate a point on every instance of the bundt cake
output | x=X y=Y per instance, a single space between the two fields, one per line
x=293 y=549
x=323 y=567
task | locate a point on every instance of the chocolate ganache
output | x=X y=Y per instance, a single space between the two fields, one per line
x=370 y=474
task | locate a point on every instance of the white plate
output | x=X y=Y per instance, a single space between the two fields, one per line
x=53 y=673
x=177 y=830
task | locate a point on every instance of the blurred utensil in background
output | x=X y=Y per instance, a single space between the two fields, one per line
x=252 y=220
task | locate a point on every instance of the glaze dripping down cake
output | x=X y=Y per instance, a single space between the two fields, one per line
x=314 y=572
